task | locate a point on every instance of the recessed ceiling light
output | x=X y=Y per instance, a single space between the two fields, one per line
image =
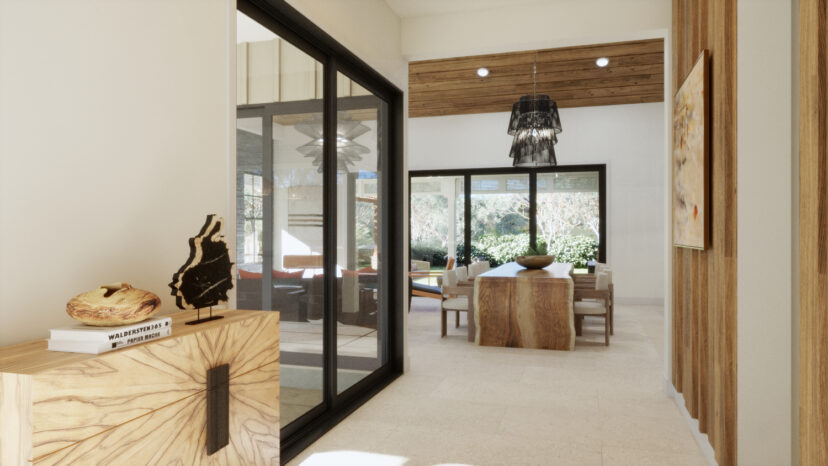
x=482 y=72
x=602 y=62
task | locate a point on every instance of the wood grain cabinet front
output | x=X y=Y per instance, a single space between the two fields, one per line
x=144 y=404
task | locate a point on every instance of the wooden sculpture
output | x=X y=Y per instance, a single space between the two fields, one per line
x=203 y=281
x=113 y=304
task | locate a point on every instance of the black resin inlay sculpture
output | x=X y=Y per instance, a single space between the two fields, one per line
x=203 y=281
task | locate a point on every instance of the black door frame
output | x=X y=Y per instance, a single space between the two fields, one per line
x=467 y=174
x=290 y=25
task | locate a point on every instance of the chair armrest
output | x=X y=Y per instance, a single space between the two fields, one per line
x=424 y=274
x=459 y=290
x=591 y=294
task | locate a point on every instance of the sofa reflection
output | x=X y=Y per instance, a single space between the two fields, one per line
x=299 y=295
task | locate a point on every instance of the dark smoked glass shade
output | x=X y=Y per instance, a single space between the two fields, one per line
x=541 y=103
x=534 y=143
x=535 y=125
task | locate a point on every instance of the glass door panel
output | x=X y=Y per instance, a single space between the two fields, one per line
x=279 y=231
x=568 y=216
x=297 y=274
x=362 y=122
x=437 y=219
x=499 y=217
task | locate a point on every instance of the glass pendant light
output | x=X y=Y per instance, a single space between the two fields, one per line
x=348 y=152
x=535 y=125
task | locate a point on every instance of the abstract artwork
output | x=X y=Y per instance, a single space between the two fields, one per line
x=203 y=281
x=691 y=200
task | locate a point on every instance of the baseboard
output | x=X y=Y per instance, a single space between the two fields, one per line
x=701 y=439
x=640 y=301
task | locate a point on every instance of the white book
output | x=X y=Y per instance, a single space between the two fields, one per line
x=98 y=347
x=88 y=333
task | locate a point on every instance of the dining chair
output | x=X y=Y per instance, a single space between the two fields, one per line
x=456 y=298
x=587 y=281
x=477 y=268
x=462 y=280
x=597 y=304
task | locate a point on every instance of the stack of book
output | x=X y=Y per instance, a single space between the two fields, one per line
x=96 y=340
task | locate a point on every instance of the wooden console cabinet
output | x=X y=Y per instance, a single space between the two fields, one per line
x=145 y=404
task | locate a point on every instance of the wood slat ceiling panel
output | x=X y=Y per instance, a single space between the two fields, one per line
x=568 y=75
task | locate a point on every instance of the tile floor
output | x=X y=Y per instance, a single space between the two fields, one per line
x=469 y=405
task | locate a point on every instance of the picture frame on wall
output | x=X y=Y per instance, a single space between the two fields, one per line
x=691 y=159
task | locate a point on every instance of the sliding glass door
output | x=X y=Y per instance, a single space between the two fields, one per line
x=361 y=335
x=437 y=223
x=317 y=182
x=499 y=217
x=569 y=215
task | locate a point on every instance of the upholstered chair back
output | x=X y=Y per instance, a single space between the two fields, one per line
x=450 y=278
x=601 y=281
x=462 y=273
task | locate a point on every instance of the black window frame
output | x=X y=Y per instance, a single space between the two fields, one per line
x=290 y=25
x=468 y=173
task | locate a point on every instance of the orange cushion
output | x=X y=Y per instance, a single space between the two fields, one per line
x=367 y=270
x=284 y=274
x=248 y=275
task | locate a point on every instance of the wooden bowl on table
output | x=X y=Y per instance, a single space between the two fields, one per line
x=535 y=262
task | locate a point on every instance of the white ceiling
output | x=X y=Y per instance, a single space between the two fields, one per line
x=412 y=8
x=248 y=30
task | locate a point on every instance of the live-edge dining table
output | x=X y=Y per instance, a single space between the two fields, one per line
x=526 y=308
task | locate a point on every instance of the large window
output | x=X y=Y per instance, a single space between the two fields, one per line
x=318 y=174
x=558 y=210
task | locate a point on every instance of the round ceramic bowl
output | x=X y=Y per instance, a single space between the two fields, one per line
x=535 y=262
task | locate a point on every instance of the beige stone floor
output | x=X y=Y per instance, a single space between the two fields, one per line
x=469 y=405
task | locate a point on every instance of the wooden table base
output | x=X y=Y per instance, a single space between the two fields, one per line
x=524 y=308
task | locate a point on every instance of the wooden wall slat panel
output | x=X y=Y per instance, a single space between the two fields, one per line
x=704 y=282
x=568 y=75
x=813 y=231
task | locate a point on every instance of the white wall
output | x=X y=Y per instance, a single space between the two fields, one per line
x=526 y=26
x=115 y=129
x=628 y=138
x=764 y=189
x=368 y=28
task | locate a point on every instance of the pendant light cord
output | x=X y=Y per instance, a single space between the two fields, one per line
x=535 y=82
